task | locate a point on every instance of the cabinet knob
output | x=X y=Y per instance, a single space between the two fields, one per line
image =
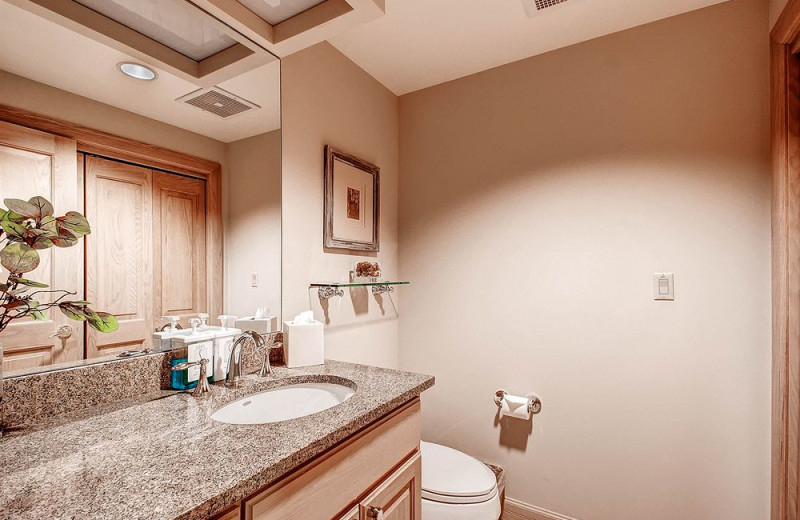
x=375 y=513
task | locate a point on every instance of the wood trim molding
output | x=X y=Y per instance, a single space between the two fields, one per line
x=103 y=143
x=516 y=510
x=785 y=130
x=121 y=148
x=787 y=27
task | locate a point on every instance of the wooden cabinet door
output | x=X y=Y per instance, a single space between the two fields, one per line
x=399 y=497
x=36 y=163
x=119 y=253
x=179 y=235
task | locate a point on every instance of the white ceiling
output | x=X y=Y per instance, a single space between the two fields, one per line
x=46 y=52
x=420 y=43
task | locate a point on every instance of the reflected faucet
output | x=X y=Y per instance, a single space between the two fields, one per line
x=235 y=362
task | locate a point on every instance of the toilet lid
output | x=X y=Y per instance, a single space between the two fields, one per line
x=454 y=477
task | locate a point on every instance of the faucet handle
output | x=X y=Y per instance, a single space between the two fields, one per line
x=202 y=389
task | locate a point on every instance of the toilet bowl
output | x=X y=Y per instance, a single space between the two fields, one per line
x=456 y=486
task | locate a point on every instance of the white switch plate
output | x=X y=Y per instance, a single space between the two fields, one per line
x=663 y=286
x=254 y=279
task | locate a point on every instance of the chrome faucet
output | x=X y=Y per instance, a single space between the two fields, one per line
x=235 y=362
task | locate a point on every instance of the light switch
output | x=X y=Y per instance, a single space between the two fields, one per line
x=254 y=279
x=663 y=286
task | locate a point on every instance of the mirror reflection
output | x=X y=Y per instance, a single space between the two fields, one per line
x=173 y=160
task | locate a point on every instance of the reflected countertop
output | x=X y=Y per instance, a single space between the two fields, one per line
x=161 y=456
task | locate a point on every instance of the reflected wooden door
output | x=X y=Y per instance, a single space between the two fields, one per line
x=36 y=163
x=119 y=253
x=179 y=235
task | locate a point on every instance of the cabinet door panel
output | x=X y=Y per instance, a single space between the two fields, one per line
x=119 y=255
x=399 y=496
x=36 y=163
x=179 y=216
x=336 y=481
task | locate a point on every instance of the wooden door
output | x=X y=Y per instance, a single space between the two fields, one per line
x=399 y=497
x=119 y=253
x=36 y=163
x=179 y=235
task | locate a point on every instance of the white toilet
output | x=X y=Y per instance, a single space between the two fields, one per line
x=456 y=486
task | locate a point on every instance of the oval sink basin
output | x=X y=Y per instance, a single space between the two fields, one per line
x=283 y=403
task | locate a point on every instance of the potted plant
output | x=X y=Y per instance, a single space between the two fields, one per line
x=27 y=228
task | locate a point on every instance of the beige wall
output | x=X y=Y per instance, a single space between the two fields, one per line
x=775 y=8
x=253 y=231
x=536 y=201
x=326 y=99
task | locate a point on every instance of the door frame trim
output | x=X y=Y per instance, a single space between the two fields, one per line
x=101 y=143
x=785 y=130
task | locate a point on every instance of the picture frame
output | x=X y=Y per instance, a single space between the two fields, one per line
x=352 y=202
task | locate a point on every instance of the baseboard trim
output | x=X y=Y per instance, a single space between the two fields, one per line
x=516 y=510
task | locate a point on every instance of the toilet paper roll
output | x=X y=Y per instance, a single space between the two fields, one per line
x=515 y=406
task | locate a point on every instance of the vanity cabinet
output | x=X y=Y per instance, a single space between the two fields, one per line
x=375 y=474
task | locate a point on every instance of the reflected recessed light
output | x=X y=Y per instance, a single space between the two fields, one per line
x=136 y=70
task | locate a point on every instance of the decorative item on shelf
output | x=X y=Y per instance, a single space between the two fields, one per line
x=352 y=202
x=367 y=272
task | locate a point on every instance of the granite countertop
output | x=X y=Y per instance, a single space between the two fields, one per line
x=161 y=456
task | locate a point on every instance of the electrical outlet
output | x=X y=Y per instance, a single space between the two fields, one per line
x=254 y=279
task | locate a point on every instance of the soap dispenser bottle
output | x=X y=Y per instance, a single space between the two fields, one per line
x=191 y=348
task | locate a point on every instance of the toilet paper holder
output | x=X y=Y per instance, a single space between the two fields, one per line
x=534 y=403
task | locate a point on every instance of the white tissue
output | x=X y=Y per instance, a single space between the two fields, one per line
x=515 y=406
x=304 y=318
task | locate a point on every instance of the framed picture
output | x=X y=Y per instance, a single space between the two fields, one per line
x=352 y=202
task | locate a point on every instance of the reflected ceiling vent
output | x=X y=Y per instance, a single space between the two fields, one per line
x=217 y=101
x=534 y=7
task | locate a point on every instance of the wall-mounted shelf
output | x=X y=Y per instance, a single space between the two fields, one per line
x=329 y=290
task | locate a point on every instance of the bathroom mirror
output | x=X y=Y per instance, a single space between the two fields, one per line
x=177 y=170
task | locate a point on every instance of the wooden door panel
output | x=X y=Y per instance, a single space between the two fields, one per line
x=399 y=496
x=36 y=163
x=179 y=217
x=119 y=260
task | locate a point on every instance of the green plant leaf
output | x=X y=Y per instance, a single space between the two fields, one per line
x=12 y=217
x=45 y=209
x=43 y=243
x=72 y=312
x=38 y=316
x=14 y=230
x=25 y=281
x=101 y=321
x=13 y=304
x=19 y=258
x=76 y=223
x=65 y=238
x=26 y=209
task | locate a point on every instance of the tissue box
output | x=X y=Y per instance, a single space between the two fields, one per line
x=303 y=344
x=263 y=325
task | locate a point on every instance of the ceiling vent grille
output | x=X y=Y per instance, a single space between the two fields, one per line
x=217 y=101
x=534 y=7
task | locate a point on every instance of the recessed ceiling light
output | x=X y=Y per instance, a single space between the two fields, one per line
x=136 y=70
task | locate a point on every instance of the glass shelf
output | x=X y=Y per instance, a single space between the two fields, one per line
x=326 y=291
x=357 y=284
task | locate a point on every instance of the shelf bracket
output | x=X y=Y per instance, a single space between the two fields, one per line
x=382 y=289
x=326 y=293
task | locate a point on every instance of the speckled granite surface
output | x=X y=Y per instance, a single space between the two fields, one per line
x=38 y=396
x=160 y=456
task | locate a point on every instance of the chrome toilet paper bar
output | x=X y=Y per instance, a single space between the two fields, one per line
x=534 y=403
